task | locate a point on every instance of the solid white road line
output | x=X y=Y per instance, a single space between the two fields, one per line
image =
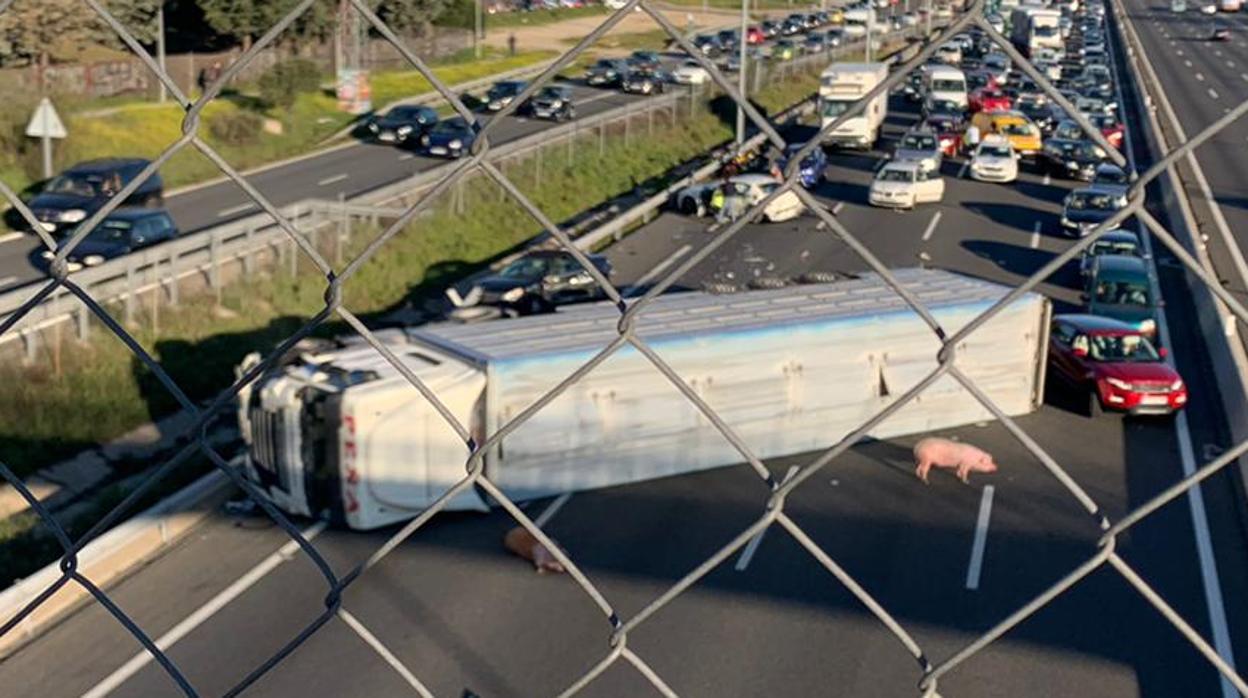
x=551 y=510
x=330 y=180
x=203 y=613
x=931 y=226
x=751 y=547
x=372 y=641
x=981 y=539
x=1212 y=93
x=10 y=237
x=1035 y=235
x=407 y=156
x=659 y=268
x=837 y=208
x=237 y=209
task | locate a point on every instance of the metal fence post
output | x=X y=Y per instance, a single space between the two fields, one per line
x=173 y=276
x=602 y=138
x=214 y=263
x=83 y=323
x=129 y=309
x=249 y=260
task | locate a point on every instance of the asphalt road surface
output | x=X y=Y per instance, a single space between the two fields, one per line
x=467 y=619
x=1203 y=80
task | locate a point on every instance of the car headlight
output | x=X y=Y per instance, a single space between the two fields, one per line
x=1072 y=165
x=455 y=144
x=1177 y=384
x=1067 y=222
x=1148 y=326
x=372 y=126
x=93 y=260
x=73 y=215
x=404 y=130
x=1119 y=384
x=556 y=104
x=513 y=295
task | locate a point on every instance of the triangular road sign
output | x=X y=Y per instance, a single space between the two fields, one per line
x=46 y=123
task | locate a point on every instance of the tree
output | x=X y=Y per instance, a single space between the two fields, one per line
x=245 y=20
x=137 y=16
x=410 y=16
x=44 y=31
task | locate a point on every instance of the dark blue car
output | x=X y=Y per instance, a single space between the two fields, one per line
x=450 y=138
x=74 y=195
x=122 y=232
x=812 y=166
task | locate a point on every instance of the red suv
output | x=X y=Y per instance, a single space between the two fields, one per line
x=1116 y=364
x=988 y=99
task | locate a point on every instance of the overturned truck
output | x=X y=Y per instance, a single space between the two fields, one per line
x=341 y=434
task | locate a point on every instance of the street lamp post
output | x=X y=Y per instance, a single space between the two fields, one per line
x=478 y=27
x=742 y=42
x=160 y=49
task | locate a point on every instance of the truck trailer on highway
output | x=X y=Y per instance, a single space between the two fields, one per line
x=1033 y=28
x=840 y=86
x=342 y=435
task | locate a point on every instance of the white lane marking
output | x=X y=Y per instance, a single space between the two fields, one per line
x=10 y=237
x=962 y=169
x=1200 y=77
x=372 y=641
x=752 y=547
x=981 y=539
x=1035 y=235
x=1212 y=93
x=237 y=209
x=931 y=226
x=407 y=156
x=1178 y=52
x=1244 y=76
x=659 y=269
x=1218 y=54
x=1048 y=179
x=545 y=517
x=1187 y=63
x=330 y=180
x=1230 y=64
x=203 y=613
x=837 y=208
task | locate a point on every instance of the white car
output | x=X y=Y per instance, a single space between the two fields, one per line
x=950 y=53
x=1209 y=9
x=994 y=160
x=690 y=73
x=905 y=184
x=695 y=200
x=854 y=30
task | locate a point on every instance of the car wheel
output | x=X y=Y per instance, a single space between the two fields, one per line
x=534 y=306
x=689 y=207
x=1095 y=409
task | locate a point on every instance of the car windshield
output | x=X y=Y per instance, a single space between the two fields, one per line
x=1017 y=129
x=1045 y=31
x=76 y=184
x=1125 y=347
x=995 y=151
x=506 y=89
x=404 y=113
x=1114 y=176
x=918 y=142
x=889 y=174
x=1091 y=201
x=946 y=107
x=553 y=93
x=456 y=126
x=1124 y=247
x=948 y=85
x=833 y=109
x=110 y=231
x=525 y=268
x=976 y=81
x=1122 y=293
x=1088 y=151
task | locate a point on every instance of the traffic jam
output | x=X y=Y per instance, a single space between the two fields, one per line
x=973 y=115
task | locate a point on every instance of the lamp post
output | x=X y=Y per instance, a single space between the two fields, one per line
x=742 y=42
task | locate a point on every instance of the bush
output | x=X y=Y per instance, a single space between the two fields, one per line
x=235 y=127
x=288 y=79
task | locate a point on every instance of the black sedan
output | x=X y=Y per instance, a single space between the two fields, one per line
x=450 y=138
x=607 y=72
x=1074 y=159
x=402 y=124
x=645 y=81
x=122 y=232
x=539 y=281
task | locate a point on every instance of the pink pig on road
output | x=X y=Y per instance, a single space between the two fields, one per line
x=524 y=544
x=944 y=453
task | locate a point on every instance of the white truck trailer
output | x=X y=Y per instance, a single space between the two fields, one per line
x=842 y=84
x=342 y=435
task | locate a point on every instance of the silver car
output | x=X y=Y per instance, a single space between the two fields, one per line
x=920 y=146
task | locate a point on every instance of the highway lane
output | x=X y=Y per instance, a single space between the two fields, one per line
x=463 y=616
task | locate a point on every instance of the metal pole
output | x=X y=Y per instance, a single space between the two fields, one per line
x=870 y=29
x=478 y=30
x=742 y=42
x=47 y=152
x=928 y=3
x=160 y=49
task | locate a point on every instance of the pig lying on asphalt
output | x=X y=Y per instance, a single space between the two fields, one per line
x=520 y=542
x=944 y=453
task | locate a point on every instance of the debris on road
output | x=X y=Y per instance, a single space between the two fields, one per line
x=520 y=542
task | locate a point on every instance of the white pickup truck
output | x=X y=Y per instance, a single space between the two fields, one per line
x=342 y=435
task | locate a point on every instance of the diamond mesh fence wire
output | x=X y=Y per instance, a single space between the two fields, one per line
x=617 y=627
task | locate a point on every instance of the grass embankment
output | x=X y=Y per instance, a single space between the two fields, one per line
x=507 y=20
x=145 y=129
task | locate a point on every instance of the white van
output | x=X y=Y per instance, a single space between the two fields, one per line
x=944 y=83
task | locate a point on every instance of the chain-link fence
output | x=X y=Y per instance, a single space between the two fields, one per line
x=619 y=628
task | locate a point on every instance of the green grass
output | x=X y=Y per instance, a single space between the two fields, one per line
x=145 y=129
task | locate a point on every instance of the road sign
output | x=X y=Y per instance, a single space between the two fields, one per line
x=45 y=122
